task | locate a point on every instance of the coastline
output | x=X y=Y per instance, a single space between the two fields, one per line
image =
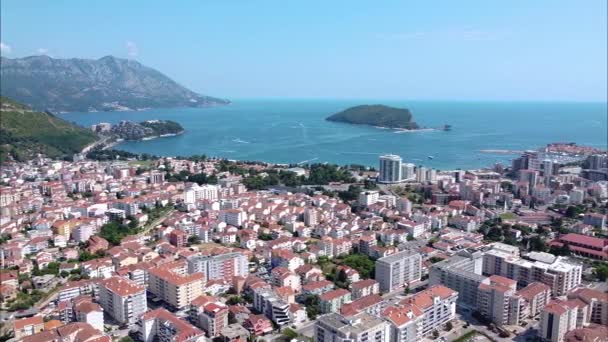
x=117 y=142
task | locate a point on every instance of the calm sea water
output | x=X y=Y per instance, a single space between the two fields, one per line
x=293 y=131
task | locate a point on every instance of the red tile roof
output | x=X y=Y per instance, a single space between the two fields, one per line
x=331 y=295
x=584 y=240
x=21 y=323
x=122 y=287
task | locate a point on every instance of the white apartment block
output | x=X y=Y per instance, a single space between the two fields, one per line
x=557 y=318
x=390 y=169
x=499 y=302
x=561 y=274
x=311 y=217
x=122 y=299
x=367 y=198
x=397 y=270
x=223 y=266
x=359 y=328
x=195 y=193
x=234 y=217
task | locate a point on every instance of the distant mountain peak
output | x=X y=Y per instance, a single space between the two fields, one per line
x=105 y=84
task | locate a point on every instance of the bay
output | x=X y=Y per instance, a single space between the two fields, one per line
x=295 y=131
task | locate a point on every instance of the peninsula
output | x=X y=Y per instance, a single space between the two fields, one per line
x=145 y=130
x=376 y=115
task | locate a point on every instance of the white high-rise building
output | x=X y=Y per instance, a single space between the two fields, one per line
x=398 y=269
x=431 y=175
x=408 y=171
x=390 y=169
x=421 y=174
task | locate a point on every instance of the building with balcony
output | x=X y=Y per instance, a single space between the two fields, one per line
x=122 y=299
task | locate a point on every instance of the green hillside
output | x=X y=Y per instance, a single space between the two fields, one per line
x=25 y=133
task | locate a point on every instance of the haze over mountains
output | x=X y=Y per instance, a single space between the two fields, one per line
x=105 y=84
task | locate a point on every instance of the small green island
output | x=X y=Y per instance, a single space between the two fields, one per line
x=376 y=115
x=380 y=116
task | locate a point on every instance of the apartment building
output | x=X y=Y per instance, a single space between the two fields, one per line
x=195 y=193
x=87 y=311
x=561 y=274
x=367 y=198
x=162 y=325
x=537 y=295
x=332 y=301
x=171 y=283
x=438 y=306
x=233 y=217
x=209 y=314
x=364 y=288
x=266 y=301
x=597 y=303
x=499 y=302
x=27 y=326
x=415 y=317
x=461 y=273
x=359 y=328
x=406 y=323
x=122 y=299
x=397 y=270
x=223 y=266
x=557 y=318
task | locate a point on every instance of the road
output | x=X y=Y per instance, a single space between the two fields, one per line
x=307 y=329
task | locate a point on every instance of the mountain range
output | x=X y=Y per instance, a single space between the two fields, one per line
x=83 y=85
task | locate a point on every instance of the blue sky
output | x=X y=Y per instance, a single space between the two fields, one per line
x=463 y=50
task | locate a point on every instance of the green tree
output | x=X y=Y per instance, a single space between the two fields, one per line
x=234 y=300
x=537 y=244
x=313 y=306
x=601 y=271
x=362 y=263
x=289 y=333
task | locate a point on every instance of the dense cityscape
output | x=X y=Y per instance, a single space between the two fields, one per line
x=303 y=171
x=114 y=246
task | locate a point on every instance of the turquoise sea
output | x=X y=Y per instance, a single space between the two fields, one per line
x=294 y=131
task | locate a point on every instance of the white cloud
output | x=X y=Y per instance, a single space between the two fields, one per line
x=42 y=51
x=5 y=48
x=132 y=50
